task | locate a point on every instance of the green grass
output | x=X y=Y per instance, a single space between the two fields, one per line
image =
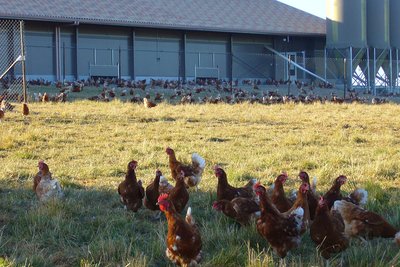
x=88 y=145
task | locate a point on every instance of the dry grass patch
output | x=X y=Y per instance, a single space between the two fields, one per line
x=87 y=146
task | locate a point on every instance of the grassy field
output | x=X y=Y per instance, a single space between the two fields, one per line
x=88 y=145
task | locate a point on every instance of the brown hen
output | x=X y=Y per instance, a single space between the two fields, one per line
x=311 y=196
x=242 y=210
x=334 y=193
x=282 y=230
x=279 y=198
x=364 y=223
x=183 y=237
x=327 y=231
x=179 y=196
x=228 y=192
x=192 y=172
x=130 y=190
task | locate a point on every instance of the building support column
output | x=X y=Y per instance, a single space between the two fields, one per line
x=368 y=72
x=351 y=69
x=231 y=59
x=374 y=74
x=325 y=63
x=391 y=70
x=58 y=52
x=76 y=53
x=182 y=62
x=133 y=40
x=397 y=71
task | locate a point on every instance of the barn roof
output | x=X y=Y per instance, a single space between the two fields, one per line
x=242 y=16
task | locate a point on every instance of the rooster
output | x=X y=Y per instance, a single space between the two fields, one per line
x=360 y=222
x=193 y=172
x=311 y=196
x=183 y=238
x=334 y=193
x=282 y=230
x=279 y=198
x=44 y=185
x=227 y=192
x=242 y=210
x=179 y=196
x=327 y=231
x=148 y=104
x=152 y=194
x=130 y=190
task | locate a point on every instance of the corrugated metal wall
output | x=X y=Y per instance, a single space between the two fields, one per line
x=40 y=52
x=250 y=58
x=207 y=51
x=104 y=46
x=149 y=53
x=68 y=52
x=157 y=53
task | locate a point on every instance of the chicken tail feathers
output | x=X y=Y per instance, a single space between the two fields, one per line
x=359 y=196
x=397 y=238
x=314 y=184
x=163 y=179
x=198 y=161
x=298 y=216
x=189 y=219
x=293 y=195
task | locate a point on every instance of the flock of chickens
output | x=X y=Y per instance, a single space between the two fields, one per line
x=331 y=219
x=201 y=91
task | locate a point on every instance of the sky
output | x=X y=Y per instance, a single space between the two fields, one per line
x=315 y=7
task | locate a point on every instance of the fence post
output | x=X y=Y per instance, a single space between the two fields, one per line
x=325 y=63
x=344 y=78
x=21 y=29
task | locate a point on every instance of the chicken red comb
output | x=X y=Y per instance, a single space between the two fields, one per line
x=216 y=167
x=40 y=163
x=256 y=185
x=162 y=197
x=285 y=173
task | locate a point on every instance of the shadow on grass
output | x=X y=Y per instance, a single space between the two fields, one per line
x=91 y=226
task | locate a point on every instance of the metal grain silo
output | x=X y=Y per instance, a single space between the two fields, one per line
x=394 y=23
x=378 y=23
x=395 y=40
x=378 y=39
x=346 y=23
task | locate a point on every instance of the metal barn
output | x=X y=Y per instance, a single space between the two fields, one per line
x=174 y=39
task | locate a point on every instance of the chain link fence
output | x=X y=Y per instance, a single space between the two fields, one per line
x=12 y=83
x=310 y=67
